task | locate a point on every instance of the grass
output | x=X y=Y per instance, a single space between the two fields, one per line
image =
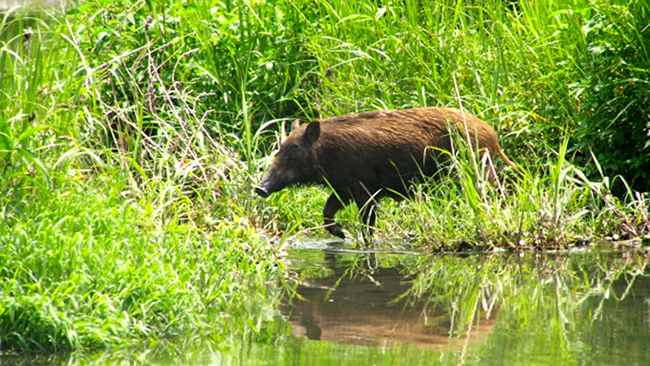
x=131 y=134
x=89 y=271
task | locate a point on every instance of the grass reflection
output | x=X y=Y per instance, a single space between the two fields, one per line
x=479 y=307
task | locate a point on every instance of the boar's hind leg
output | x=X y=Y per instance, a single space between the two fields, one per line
x=368 y=210
x=332 y=206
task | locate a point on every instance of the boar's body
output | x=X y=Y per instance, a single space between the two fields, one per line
x=366 y=156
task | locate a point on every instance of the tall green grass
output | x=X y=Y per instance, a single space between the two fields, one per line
x=125 y=219
x=510 y=65
x=553 y=206
x=94 y=271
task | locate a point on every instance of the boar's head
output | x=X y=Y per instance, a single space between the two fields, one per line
x=294 y=163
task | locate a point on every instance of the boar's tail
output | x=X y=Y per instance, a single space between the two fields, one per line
x=509 y=162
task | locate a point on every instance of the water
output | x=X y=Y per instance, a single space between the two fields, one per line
x=351 y=299
x=581 y=308
x=369 y=308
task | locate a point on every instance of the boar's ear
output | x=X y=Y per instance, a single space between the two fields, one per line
x=295 y=124
x=312 y=132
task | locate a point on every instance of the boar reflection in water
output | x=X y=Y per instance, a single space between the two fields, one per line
x=364 y=157
x=359 y=309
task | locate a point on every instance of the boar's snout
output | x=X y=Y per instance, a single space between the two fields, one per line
x=262 y=192
x=266 y=186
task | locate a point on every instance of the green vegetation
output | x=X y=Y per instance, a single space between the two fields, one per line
x=132 y=132
x=91 y=270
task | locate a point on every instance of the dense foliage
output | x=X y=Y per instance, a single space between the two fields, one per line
x=613 y=92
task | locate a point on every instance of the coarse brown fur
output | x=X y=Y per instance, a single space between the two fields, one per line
x=364 y=157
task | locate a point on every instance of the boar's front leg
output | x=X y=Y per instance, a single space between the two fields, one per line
x=332 y=206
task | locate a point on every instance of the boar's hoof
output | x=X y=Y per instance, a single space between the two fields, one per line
x=262 y=192
x=335 y=229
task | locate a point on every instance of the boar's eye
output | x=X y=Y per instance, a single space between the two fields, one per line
x=294 y=152
x=293 y=149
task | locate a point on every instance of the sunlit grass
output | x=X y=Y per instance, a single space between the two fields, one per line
x=554 y=207
x=90 y=271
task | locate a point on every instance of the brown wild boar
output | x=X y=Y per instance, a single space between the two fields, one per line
x=364 y=157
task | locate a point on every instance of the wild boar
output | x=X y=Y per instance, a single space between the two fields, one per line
x=365 y=157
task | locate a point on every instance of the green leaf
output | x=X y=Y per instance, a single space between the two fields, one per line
x=29 y=132
x=6 y=143
x=37 y=162
x=647 y=145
